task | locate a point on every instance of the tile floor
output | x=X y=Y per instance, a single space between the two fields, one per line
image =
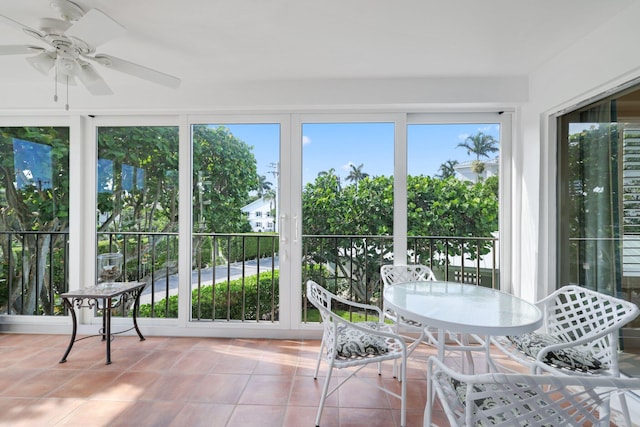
x=165 y=381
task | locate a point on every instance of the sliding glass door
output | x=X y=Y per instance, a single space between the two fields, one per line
x=599 y=200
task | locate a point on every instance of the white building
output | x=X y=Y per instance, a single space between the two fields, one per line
x=259 y=215
x=465 y=170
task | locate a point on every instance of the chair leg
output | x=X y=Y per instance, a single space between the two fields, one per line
x=428 y=409
x=403 y=394
x=325 y=390
x=625 y=409
x=315 y=375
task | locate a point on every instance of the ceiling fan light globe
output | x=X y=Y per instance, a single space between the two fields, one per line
x=66 y=66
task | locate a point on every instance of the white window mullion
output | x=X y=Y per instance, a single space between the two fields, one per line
x=400 y=191
x=185 y=225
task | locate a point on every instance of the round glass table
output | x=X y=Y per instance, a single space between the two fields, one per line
x=462 y=308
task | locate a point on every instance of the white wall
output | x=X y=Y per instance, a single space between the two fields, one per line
x=289 y=96
x=602 y=61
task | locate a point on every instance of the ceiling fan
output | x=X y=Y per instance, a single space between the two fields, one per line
x=71 y=45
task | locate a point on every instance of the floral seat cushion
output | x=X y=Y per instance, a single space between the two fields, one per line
x=490 y=402
x=566 y=358
x=354 y=343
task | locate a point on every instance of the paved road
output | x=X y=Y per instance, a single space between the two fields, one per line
x=234 y=271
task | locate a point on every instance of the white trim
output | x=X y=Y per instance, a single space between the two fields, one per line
x=83 y=189
x=400 y=169
x=547 y=241
x=185 y=220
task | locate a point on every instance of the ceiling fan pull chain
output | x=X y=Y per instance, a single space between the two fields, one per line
x=55 y=86
x=66 y=106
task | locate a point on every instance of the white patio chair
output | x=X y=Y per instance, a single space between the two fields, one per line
x=579 y=336
x=500 y=399
x=355 y=345
x=394 y=274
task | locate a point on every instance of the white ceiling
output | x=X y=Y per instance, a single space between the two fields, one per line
x=215 y=42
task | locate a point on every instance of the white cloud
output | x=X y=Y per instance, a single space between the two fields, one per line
x=347 y=167
x=463 y=136
x=306 y=140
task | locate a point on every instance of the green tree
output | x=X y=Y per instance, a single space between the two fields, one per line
x=447 y=169
x=33 y=205
x=360 y=218
x=355 y=216
x=229 y=172
x=481 y=145
x=451 y=207
x=356 y=174
x=139 y=192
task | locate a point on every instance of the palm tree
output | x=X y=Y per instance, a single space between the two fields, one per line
x=263 y=185
x=356 y=174
x=447 y=169
x=481 y=145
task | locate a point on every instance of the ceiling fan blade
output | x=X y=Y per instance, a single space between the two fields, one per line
x=19 y=49
x=93 y=81
x=95 y=28
x=43 y=62
x=137 y=70
x=18 y=26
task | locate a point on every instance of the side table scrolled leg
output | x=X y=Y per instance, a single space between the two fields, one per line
x=74 y=331
x=136 y=307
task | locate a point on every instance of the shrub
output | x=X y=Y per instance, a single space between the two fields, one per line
x=253 y=301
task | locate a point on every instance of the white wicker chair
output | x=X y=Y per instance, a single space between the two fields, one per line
x=394 y=274
x=347 y=344
x=501 y=399
x=579 y=336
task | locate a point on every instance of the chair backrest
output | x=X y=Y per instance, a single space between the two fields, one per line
x=392 y=274
x=336 y=341
x=322 y=300
x=573 y=312
x=525 y=399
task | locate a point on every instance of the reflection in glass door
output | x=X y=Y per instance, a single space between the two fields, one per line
x=137 y=209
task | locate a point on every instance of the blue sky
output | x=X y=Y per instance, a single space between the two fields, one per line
x=337 y=145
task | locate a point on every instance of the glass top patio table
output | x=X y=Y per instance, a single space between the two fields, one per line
x=463 y=308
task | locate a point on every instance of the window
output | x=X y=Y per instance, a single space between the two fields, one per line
x=137 y=203
x=34 y=224
x=453 y=199
x=347 y=204
x=599 y=197
x=236 y=168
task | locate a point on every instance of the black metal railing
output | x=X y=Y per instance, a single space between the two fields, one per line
x=350 y=265
x=34 y=271
x=150 y=257
x=234 y=277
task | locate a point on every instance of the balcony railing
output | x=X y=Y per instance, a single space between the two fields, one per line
x=350 y=265
x=226 y=268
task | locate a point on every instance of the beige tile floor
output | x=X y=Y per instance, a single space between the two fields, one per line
x=166 y=381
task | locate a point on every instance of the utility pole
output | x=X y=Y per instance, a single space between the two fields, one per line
x=275 y=166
